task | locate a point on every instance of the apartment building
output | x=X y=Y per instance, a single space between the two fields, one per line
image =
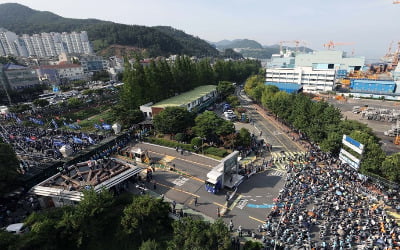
x=44 y=44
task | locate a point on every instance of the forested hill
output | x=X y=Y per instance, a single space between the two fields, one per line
x=238 y=43
x=156 y=40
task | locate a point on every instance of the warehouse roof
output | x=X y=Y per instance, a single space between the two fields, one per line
x=287 y=87
x=186 y=97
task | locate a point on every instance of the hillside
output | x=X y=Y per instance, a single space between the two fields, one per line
x=156 y=40
x=238 y=43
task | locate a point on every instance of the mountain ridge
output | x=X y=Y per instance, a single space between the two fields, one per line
x=24 y=20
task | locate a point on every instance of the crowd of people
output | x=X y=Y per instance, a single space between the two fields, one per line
x=328 y=205
x=44 y=143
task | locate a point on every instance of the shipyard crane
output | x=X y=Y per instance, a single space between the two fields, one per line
x=295 y=42
x=331 y=44
x=396 y=55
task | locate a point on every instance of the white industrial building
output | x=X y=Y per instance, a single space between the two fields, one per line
x=312 y=81
x=315 y=72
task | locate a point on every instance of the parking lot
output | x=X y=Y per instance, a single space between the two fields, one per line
x=379 y=127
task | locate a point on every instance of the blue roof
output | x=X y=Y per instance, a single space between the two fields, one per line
x=10 y=66
x=371 y=81
x=286 y=86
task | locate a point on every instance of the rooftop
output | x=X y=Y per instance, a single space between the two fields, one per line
x=186 y=97
x=59 y=66
x=10 y=66
x=72 y=180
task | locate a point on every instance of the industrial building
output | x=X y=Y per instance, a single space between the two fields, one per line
x=373 y=86
x=61 y=73
x=17 y=77
x=195 y=100
x=316 y=72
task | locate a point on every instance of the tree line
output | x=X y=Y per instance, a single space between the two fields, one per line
x=160 y=79
x=102 y=221
x=324 y=124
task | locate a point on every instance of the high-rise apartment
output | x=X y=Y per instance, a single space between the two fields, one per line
x=44 y=44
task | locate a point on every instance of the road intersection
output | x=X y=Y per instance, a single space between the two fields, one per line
x=254 y=197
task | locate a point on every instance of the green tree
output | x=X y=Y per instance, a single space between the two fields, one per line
x=281 y=104
x=210 y=126
x=101 y=76
x=146 y=218
x=252 y=245
x=268 y=91
x=198 y=234
x=41 y=103
x=74 y=102
x=125 y=116
x=8 y=240
x=373 y=154
x=173 y=120
x=390 y=167
x=225 y=89
x=150 y=245
x=88 y=224
x=243 y=138
x=233 y=100
x=9 y=165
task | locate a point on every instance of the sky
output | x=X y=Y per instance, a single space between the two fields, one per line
x=369 y=25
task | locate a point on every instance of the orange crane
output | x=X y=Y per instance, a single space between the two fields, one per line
x=331 y=44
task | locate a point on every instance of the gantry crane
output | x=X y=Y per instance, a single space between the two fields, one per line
x=396 y=55
x=295 y=42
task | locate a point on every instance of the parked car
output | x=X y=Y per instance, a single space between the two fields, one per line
x=17 y=228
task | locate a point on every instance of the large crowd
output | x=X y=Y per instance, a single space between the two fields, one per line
x=44 y=143
x=328 y=205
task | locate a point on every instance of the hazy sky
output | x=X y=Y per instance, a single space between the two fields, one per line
x=370 y=24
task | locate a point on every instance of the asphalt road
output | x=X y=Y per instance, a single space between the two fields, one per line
x=255 y=195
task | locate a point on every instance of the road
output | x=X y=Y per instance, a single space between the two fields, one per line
x=255 y=195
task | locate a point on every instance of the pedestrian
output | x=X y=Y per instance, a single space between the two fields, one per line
x=195 y=201
x=231 y=226
x=218 y=213
x=173 y=204
x=162 y=197
x=240 y=230
x=154 y=185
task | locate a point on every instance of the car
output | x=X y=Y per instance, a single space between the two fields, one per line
x=230 y=117
x=17 y=228
x=230 y=112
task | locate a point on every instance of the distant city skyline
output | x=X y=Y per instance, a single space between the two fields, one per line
x=370 y=25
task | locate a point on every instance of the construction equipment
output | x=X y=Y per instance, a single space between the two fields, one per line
x=396 y=55
x=332 y=45
x=295 y=42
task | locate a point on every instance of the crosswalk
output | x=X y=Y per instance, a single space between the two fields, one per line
x=279 y=173
x=283 y=158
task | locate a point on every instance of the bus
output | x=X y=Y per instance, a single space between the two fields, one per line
x=47 y=96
